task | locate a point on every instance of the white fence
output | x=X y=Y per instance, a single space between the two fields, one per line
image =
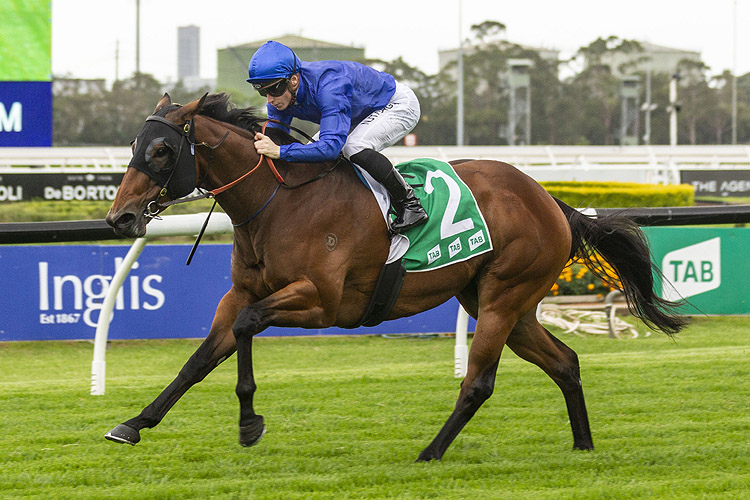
x=652 y=164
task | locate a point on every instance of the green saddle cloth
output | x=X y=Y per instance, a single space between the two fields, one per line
x=456 y=230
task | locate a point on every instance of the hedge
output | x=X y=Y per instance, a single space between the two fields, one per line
x=576 y=194
x=621 y=194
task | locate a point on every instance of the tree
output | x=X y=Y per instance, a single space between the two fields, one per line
x=582 y=109
x=91 y=115
x=488 y=31
x=598 y=87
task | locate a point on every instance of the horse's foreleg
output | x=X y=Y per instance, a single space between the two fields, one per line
x=218 y=345
x=479 y=383
x=532 y=342
x=298 y=304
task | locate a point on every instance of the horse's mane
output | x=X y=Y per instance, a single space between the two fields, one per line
x=218 y=107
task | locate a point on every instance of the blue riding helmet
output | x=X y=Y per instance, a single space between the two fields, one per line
x=273 y=60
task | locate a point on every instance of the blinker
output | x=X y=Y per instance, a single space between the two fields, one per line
x=177 y=175
x=149 y=154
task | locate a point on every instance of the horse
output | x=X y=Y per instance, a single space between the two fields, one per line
x=286 y=272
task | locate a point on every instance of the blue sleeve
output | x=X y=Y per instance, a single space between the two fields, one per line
x=335 y=104
x=275 y=114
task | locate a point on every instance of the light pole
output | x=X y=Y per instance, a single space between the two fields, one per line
x=674 y=107
x=648 y=107
x=460 y=89
x=734 y=74
x=137 y=37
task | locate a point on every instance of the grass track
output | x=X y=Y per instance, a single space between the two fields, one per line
x=347 y=417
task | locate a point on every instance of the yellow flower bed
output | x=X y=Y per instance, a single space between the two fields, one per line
x=577 y=279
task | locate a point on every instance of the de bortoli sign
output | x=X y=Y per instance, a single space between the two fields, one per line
x=47 y=185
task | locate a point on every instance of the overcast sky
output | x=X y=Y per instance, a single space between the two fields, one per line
x=87 y=33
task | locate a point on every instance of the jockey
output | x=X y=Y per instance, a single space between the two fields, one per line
x=361 y=111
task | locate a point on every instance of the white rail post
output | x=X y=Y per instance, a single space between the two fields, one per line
x=98 y=365
x=461 y=351
x=171 y=225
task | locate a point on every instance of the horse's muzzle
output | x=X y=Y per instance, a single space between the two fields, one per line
x=127 y=224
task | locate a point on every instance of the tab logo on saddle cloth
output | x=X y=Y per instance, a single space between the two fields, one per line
x=456 y=230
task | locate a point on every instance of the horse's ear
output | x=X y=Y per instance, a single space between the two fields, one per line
x=164 y=101
x=189 y=110
x=200 y=102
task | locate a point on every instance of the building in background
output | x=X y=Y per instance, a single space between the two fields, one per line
x=188 y=58
x=657 y=58
x=232 y=62
x=448 y=56
x=188 y=52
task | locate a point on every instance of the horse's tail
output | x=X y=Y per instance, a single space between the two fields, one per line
x=618 y=242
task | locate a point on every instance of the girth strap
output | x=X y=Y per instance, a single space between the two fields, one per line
x=384 y=295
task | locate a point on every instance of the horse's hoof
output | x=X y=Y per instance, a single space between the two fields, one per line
x=250 y=434
x=123 y=434
x=427 y=455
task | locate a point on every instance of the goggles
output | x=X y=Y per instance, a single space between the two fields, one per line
x=274 y=89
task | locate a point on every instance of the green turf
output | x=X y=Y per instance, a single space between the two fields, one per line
x=347 y=417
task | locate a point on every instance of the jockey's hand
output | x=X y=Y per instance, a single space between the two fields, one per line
x=265 y=146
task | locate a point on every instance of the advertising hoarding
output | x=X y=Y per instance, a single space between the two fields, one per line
x=707 y=266
x=25 y=73
x=55 y=292
x=46 y=185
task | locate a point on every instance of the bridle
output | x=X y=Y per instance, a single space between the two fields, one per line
x=187 y=135
x=154 y=208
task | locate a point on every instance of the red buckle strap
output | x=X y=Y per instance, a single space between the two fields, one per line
x=271 y=165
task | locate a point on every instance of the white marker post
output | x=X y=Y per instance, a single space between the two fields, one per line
x=461 y=351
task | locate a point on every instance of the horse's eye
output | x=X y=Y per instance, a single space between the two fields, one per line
x=155 y=149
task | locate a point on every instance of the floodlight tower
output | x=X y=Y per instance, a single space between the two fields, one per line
x=519 y=114
x=629 y=110
x=674 y=108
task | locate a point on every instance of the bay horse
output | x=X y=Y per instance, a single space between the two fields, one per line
x=286 y=273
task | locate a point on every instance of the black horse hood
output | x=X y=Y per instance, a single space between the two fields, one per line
x=173 y=169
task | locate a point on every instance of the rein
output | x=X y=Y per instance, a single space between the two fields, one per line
x=154 y=207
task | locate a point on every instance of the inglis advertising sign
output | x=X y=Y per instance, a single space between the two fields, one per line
x=56 y=292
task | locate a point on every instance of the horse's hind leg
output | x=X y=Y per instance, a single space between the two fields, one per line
x=218 y=345
x=532 y=342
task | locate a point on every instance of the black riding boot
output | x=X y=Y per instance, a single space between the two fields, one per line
x=409 y=211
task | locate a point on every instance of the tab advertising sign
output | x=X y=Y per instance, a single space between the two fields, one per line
x=706 y=266
x=25 y=73
x=55 y=292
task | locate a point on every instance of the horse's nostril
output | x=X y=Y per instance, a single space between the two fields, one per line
x=122 y=221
